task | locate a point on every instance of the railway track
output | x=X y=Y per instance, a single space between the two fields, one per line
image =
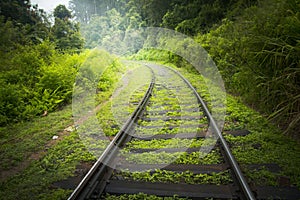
x=168 y=148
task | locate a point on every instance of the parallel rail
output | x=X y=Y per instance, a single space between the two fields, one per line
x=95 y=180
x=248 y=194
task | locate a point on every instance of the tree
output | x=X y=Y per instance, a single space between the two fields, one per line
x=153 y=11
x=62 y=12
x=30 y=22
x=84 y=10
x=66 y=33
x=20 y=11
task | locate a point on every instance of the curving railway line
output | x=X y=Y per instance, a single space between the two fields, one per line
x=169 y=146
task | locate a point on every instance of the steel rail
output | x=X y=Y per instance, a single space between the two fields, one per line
x=237 y=171
x=94 y=178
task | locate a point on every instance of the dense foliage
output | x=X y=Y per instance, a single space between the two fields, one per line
x=66 y=33
x=36 y=70
x=255 y=44
x=35 y=79
x=151 y=11
x=102 y=20
x=258 y=55
x=21 y=23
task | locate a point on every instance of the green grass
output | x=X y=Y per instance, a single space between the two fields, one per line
x=53 y=161
x=165 y=176
x=19 y=141
x=275 y=147
x=114 y=113
x=57 y=162
x=171 y=143
x=153 y=157
x=140 y=196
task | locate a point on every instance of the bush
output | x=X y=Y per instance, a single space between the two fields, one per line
x=11 y=98
x=36 y=79
x=258 y=57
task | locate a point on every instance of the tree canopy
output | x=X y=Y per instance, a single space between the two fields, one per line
x=66 y=33
x=38 y=63
x=62 y=12
x=255 y=43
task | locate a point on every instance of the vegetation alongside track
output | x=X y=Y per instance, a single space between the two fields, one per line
x=254 y=43
x=265 y=144
x=39 y=65
x=33 y=162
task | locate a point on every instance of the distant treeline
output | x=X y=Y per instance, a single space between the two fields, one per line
x=255 y=43
x=26 y=24
x=195 y=15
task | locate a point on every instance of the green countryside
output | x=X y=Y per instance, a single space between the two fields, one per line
x=255 y=45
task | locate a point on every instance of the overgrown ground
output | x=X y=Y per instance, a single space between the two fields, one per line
x=32 y=163
x=265 y=144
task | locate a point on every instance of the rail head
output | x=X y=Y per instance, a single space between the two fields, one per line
x=236 y=169
x=85 y=187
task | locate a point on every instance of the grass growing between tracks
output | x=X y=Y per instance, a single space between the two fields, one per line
x=174 y=143
x=54 y=162
x=165 y=176
x=265 y=144
x=153 y=157
x=164 y=105
x=140 y=196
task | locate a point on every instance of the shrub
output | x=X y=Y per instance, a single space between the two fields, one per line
x=258 y=57
x=35 y=79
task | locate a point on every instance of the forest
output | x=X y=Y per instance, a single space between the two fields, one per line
x=254 y=43
x=51 y=61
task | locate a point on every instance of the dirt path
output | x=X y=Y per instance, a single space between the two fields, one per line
x=6 y=174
